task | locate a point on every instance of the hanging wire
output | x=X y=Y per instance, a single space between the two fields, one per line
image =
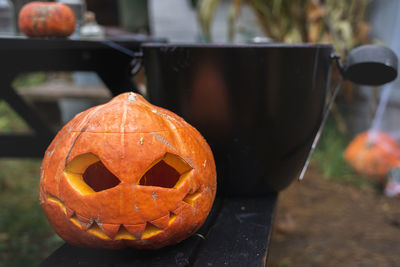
x=318 y=135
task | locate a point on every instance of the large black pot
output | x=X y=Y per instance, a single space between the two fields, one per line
x=258 y=106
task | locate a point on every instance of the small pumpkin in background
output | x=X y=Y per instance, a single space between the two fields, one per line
x=127 y=173
x=46 y=19
x=373 y=154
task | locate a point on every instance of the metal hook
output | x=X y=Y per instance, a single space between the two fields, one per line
x=136 y=62
x=336 y=57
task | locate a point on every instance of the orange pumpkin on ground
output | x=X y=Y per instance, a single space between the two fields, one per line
x=373 y=155
x=42 y=19
x=127 y=173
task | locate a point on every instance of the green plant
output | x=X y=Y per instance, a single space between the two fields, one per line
x=328 y=157
x=29 y=79
x=9 y=120
x=25 y=235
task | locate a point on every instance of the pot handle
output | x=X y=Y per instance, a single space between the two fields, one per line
x=370 y=65
x=367 y=65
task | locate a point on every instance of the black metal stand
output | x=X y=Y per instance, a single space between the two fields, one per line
x=20 y=55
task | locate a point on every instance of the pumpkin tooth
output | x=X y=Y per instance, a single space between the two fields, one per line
x=70 y=212
x=161 y=222
x=123 y=233
x=97 y=230
x=191 y=197
x=86 y=226
x=83 y=219
x=110 y=229
x=172 y=218
x=186 y=205
x=150 y=230
x=135 y=229
x=57 y=201
x=85 y=222
x=75 y=221
x=178 y=210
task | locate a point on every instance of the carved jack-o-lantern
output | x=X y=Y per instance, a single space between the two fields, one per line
x=127 y=173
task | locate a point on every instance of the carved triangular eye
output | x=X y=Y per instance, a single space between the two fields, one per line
x=99 y=178
x=169 y=172
x=88 y=175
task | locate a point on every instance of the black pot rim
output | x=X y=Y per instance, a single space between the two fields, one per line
x=236 y=46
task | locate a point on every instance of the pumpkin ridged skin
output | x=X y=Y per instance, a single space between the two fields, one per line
x=43 y=19
x=128 y=135
x=374 y=158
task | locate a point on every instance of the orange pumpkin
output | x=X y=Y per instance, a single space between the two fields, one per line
x=127 y=173
x=41 y=19
x=373 y=154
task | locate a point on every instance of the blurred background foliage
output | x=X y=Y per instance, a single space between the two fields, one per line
x=26 y=237
x=340 y=22
x=328 y=159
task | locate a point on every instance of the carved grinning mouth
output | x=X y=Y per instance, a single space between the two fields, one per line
x=109 y=231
